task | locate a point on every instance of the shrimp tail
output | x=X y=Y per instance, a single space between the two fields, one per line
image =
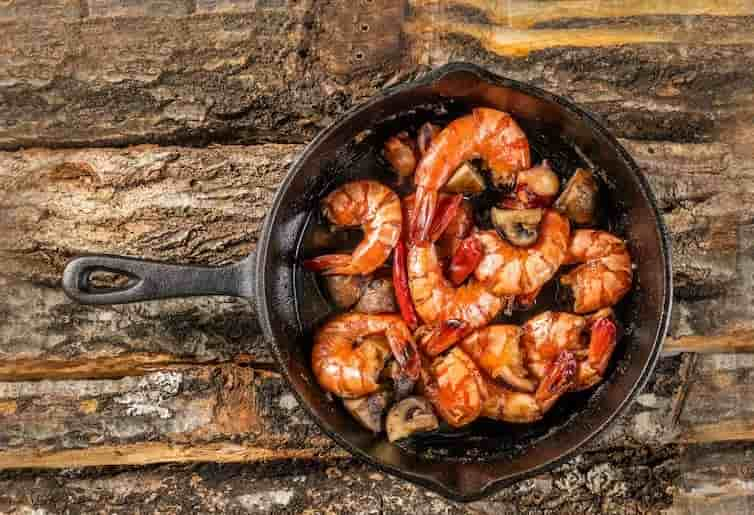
x=425 y=208
x=465 y=260
x=330 y=264
x=407 y=355
x=443 y=337
x=602 y=343
x=447 y=209
x=559 y=379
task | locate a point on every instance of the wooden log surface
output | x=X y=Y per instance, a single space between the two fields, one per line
x=221 y=95
x=714 y=478
x=247 y=412
x=627 y=481
x=285 y=71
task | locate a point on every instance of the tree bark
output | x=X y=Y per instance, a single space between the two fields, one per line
x=123 y=74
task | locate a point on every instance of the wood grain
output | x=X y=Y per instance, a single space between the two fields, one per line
x=180 y=412
x=714 y=478
x=175 y=204
x=134 y=79
x=126 y=80
x=734 y=341
x=625 y=481
x=526 y=13
x=150 y=453
x=718 y=404
x=38 y=10
x=155 y=8
x=222 y=413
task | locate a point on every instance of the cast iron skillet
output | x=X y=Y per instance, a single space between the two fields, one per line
x=486 y=457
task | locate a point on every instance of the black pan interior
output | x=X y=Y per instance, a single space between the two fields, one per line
x=464 y=464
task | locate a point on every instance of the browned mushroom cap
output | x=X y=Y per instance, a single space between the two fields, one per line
x=466 y=179
x=345 y=290
x=519 y=226
x=540 y=180
x=368 y=411
x=378 y=297
x=579 y=198
x=411 y=415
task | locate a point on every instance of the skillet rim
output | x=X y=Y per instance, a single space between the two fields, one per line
x=263 y=306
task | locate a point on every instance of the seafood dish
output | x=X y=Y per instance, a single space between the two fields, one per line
x=423 y=337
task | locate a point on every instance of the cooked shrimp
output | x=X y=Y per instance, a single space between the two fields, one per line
x=508 y=270
x=374 y=207
x=591 y=340
x=453 y=384
x=501 y=403
x=605 y=275
x=497 y=351
x=485 y=133
x=454 y=311
x=347 y=358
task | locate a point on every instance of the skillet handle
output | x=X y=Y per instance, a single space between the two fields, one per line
x=150 y=280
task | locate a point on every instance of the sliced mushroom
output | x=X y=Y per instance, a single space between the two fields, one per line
x=426 y=134
x=368 y=411
x=400 y=151
x=378 y=297
x=540 y=180
x=535 y=187
x=519 y=226
x=466 y=179
x=401 y=383
x=345 y=290
x=579 y=198
x=411 y=415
